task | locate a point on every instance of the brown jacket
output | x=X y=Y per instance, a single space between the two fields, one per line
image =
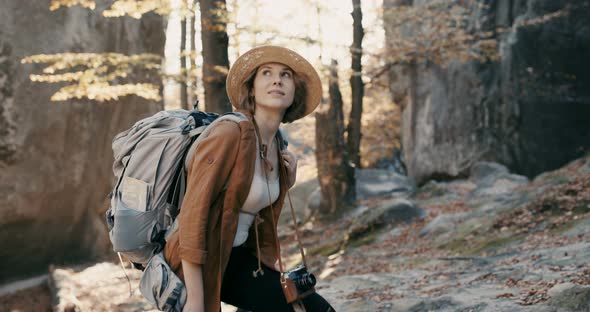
x=209 y=215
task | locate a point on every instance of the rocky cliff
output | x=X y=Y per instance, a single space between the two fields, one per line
x=55 y=157
x=529 y=111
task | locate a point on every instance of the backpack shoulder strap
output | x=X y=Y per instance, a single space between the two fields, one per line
x=203 y=132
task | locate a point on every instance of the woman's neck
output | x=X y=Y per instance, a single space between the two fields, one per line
x=268 y=125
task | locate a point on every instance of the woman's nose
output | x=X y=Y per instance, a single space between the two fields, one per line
x=276 y=80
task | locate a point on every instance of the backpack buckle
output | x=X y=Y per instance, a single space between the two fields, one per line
x=186 y=129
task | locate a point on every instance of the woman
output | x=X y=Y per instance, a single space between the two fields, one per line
x=226 y=246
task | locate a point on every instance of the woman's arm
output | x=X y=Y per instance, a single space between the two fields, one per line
x=193 y=279
x=210 y=168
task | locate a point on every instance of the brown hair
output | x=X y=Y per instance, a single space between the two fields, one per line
x=294 y=112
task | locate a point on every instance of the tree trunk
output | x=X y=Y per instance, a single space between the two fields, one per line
x=183 y=67
x=193 y=57
x=357 y=86
x=336 y=176
x=238 y=28
x=320 y=41
x=190 y=33
x=215 y=58
x=255 y=24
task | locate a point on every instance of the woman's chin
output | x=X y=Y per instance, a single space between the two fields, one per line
x=277 y=105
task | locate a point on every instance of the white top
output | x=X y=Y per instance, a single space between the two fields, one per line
x=257 y=199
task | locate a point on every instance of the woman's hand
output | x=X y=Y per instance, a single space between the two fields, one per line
x=291 y=163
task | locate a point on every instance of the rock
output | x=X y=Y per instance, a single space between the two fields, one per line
x=377 y=182
x=505 y=179
x=494 y=179
x=312 y=204
x=570 y=297
x=433 y=305
x=99 y=287
x=568 y=255
x=369 y=183
x=501 y=185
x=387 y=213
x=13 y=287
x=579 y=228
x=507 y=111
x=461 y=187
x=560 y=288
x=442 y=223
x=56 y=157
x=305 y=197
x=431 y=189
x=483 y=169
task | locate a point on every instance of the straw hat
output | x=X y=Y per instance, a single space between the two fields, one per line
x=255 y=57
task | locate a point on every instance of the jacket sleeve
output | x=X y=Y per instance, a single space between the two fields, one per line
x=212 y=162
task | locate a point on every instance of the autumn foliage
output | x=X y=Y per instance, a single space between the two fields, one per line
x=100 y=77
x=438 y=31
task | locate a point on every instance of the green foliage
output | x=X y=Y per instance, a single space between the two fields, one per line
x=437 y=31
x=99 y=77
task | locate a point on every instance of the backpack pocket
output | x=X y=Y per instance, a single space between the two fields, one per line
x=133 y=231
x=160 y=286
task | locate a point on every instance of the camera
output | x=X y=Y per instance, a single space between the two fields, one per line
x=297 y=283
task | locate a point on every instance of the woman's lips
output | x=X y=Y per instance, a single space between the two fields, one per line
x=279 y=92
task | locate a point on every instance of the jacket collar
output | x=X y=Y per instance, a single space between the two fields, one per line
x=282 y=172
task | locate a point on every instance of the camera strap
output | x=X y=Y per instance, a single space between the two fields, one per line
x=265 y=164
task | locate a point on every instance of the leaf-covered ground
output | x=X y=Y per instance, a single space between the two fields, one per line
x=516 y=242
x=493 y=243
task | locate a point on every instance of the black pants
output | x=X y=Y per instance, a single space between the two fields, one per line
x=263 y=293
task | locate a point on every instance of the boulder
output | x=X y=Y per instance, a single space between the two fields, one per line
x=570 y=297
x=390 y=212
x=528 y=110
x=494 y=179
x=369 y=183
x=56 y=157
x=378 y=182
x=484 y=169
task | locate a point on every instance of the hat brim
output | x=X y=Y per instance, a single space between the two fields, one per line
x=255 y=57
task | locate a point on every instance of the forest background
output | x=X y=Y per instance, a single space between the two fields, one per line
x=418 y=94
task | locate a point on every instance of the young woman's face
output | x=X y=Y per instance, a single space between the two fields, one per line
x=274 y=86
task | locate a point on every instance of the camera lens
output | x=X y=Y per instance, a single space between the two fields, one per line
x=306 y=281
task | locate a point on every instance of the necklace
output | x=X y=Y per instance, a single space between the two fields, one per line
x=263 y=147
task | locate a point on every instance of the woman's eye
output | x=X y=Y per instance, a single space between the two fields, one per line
x=286 y=74
x=266 y=72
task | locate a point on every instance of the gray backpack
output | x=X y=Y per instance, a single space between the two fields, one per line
x=150 y=167
x=151 y=161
